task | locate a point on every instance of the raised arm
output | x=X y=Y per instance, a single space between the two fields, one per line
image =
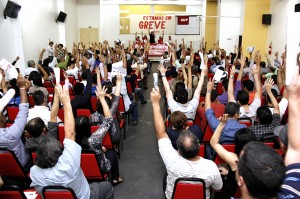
x=257 y=77
x=242 y=61
x=55 y=106
x=118 y=85
x=268 y=85
x=124 y=58
x=41 y=54
x=201 y=81
x=227 y=156
x=69 y=122
x=168 y=91
x=230 y=85
x=158 y=119
x=101 y=96
x=210 y=86
x=45 y=77
x=280 y=79
x=293 y=152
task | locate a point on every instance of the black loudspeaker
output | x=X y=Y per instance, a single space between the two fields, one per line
x=11 y=10
x=297 y=7
x=266 y=19
x=61 y=17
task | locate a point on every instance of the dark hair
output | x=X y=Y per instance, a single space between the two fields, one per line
x=188 y=144
x=99 y=105
x=248 y=84
x=225 y=84
x=108 y=85
x=214 y=95
x=262 y=64
x=264 y=115
x=36 y=78
x=241 y=138
x=60 y=45
x=232 y=108
x=78 y=88
x=82 y=128
x=174 y=74
x=51 y=42
x=35 y=127
x=181 y=96
x=262 y=169
x=48 y=152
x=274 y=92
x=38 y=97
x=94 y=78
x=178 y=120
x=274 y=77
x=243 y=97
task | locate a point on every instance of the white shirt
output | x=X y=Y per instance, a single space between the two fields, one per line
x=282 y=106
x=124 y=93
x=73 y=71
x=50 y=51
x=40 y=111
x=29 y=70
x=66 y=172
x=177 y=167
x=189 y=109
x=252 y=109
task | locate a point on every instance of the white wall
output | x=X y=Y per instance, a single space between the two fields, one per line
x=71 y=27
x=277 y=30
x=230 y=21
x=88 y=12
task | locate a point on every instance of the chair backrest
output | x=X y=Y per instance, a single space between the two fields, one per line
x=245 y=120
x=94 y=103
x=207 y=133
x=58 y=192
x=61 y=133
x=12 y=113
x=270 y=144
x=202 y=150
x=84 y=112
x=184 y=189
x=228 y=147
x=90 y=166
x=72 y=79
x=106 y=142
x=30 y=100
x=121 y=107
x=48 y=84
x=129 y=89
x=50 y=90
x=12 y=193
x=33 y=157
x=61 y=114
x=10 y=165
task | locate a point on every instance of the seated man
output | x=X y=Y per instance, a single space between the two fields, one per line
x=182 y=104
x=223 y=99
x=215 y=106
x=232 y=125
x=59 y=166
x=242 y=97
x=40 y=109
x=283 y=104
x=185 y=162
x=37 y=128
x=266 y=121
x=11 y=136
x=260 y=171
x=82 y=98
x=31 y=67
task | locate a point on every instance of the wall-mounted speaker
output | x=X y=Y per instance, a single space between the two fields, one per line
x=61 y=17
x=11 y=10
x=297 y=7
x=267 y=19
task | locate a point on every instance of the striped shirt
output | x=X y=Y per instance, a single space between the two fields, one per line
x=177 y=167
x=291 y=185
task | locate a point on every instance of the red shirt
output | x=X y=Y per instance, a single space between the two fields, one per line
x=216 y=107
x=160 y=41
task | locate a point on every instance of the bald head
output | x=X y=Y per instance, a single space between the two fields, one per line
x=188 y=144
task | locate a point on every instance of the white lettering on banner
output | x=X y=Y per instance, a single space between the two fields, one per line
x=157 y=50
x=141 y=23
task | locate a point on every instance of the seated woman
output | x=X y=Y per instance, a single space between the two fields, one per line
x=178 y=122
x=107 y=158
x=242 y=137
x=113 y=103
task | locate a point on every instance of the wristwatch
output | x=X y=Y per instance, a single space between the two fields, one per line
x=231 y=76
x=164 y=75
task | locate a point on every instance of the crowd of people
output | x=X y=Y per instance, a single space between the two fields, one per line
x=217 y=88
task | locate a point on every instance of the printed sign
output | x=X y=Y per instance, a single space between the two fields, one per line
x=142 y=23
x=183 y=20
x=157 y=50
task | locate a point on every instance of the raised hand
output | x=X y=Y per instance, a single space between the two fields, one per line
x=162 y=69
x=155 y=96
x=210 y=84
x=223 y=118
x=232 y=71
x=63 y=94
x=100 y=92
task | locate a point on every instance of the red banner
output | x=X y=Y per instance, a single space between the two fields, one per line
x=157 y=50
x=183 y=20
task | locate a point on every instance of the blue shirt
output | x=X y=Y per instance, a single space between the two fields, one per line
x=231 y=127
x=291 y=185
